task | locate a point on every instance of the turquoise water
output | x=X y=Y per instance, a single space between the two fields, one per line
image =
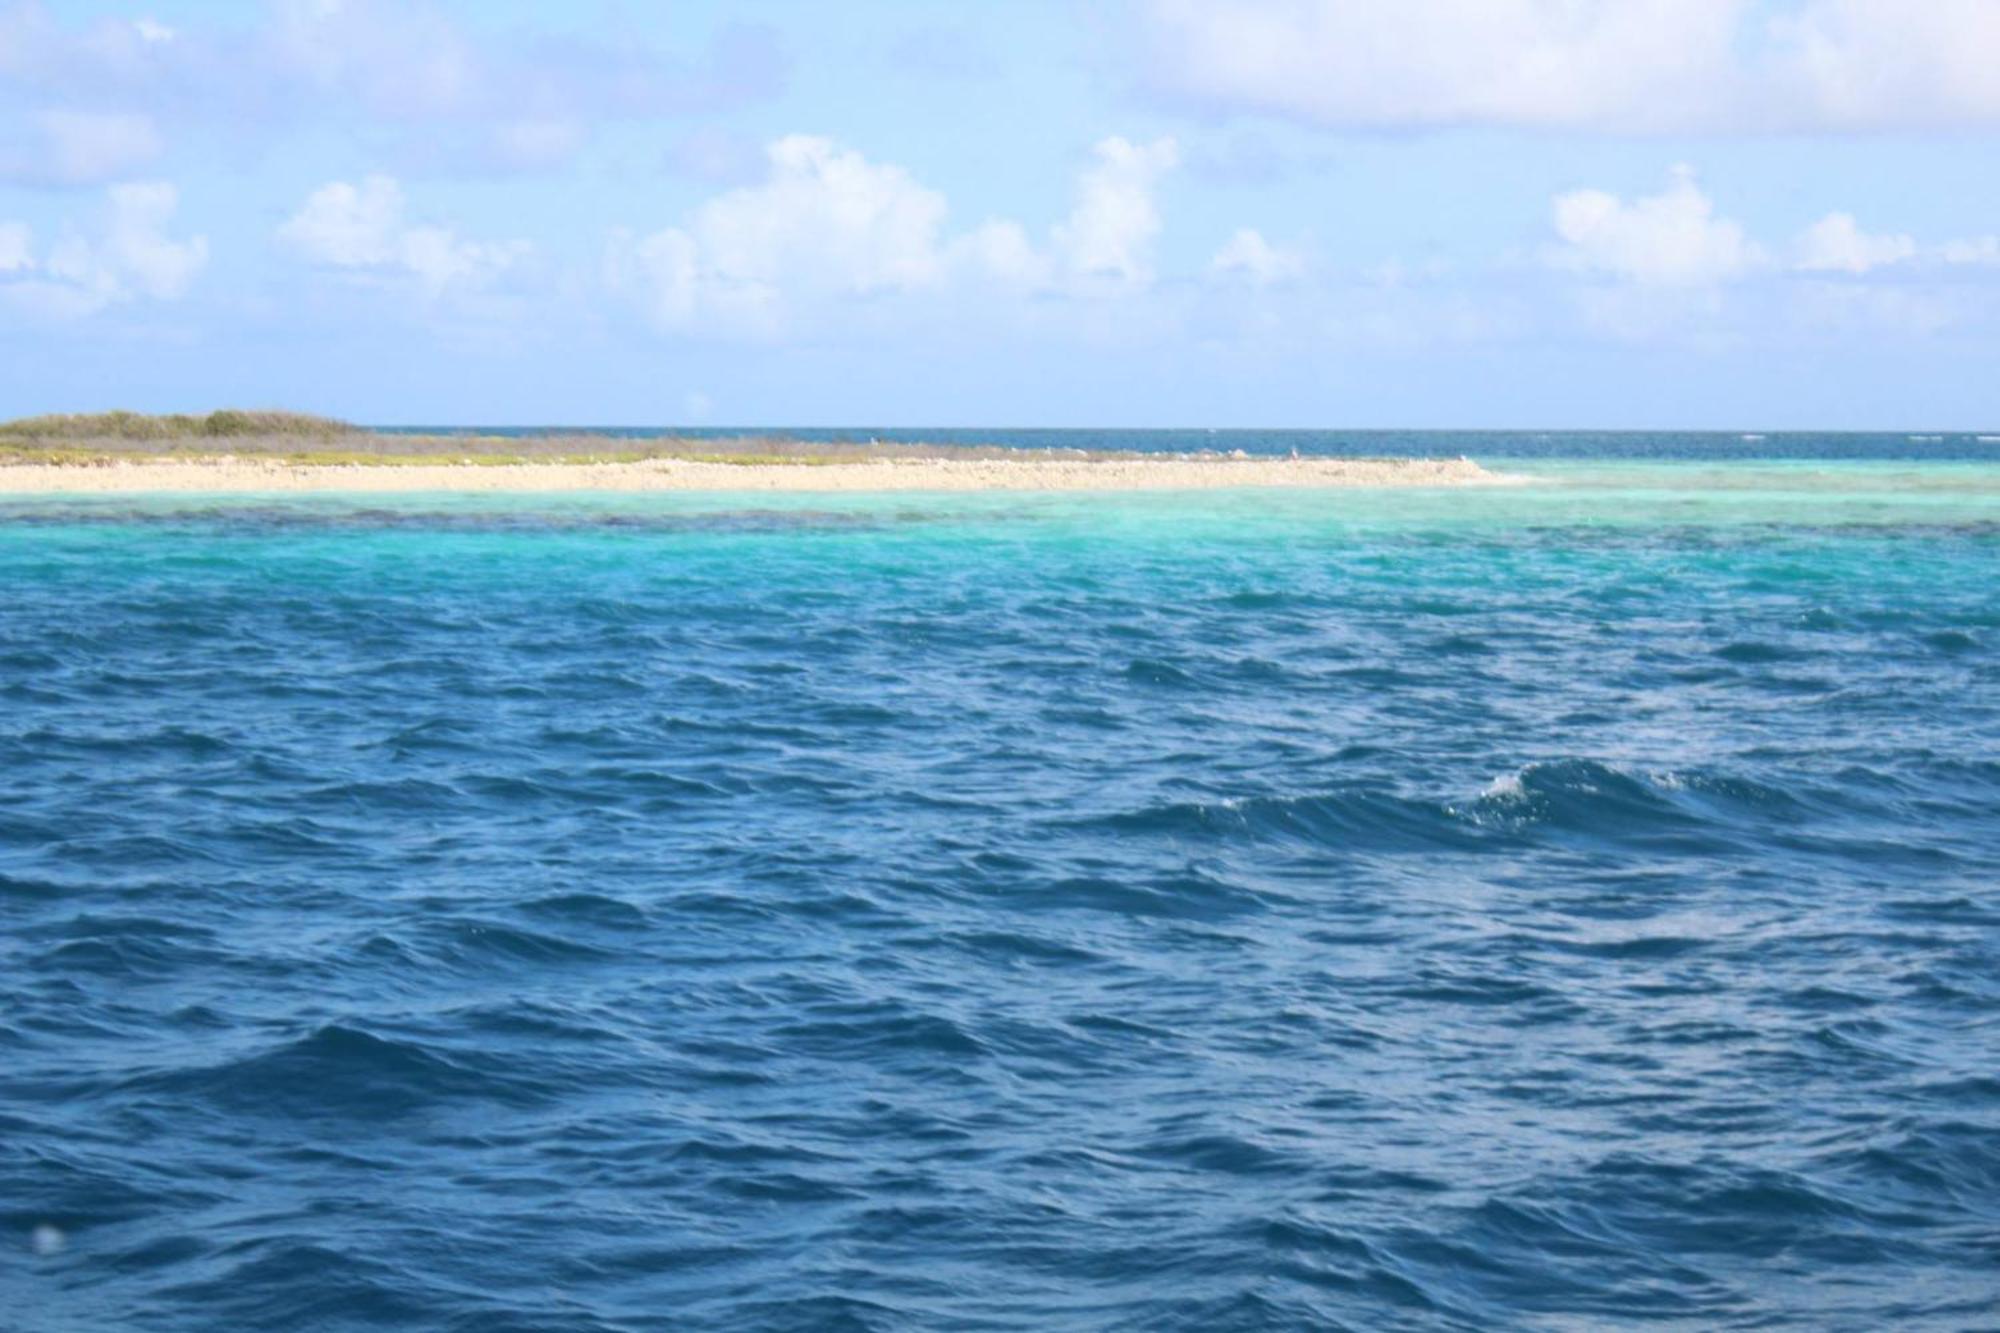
x=1562 y=905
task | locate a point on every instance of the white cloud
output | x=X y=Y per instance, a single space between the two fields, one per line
x=348 y=226
x=454 y=95
x=1666 y=263
x=1873 y=64
x=1670 y=239
x=17 y=247
x=825 y=222
x=1248 y=257
x=1108 y=236
x=399 y=60
x=440 y=260
x=1836 y=244
x=361 y=228
x=128 y=257
x=825 y=217
x=1874 y=310
x=87 y=147
x=536 y=144
x=660 y=273
x=1976 y=250
x=1440 y=62
x=1594 y=65
x=78 y=147
x=1675 y=240
x=135 y=252
x=1001 y=250
x=412 y=59
x=827 y=225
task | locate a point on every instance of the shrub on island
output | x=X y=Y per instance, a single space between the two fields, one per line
x=228 y=423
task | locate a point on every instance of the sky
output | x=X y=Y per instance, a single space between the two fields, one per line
x=1727 y=214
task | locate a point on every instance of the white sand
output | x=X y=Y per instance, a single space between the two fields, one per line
x=237 y=475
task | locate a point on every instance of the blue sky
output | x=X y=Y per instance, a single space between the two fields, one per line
x=1532 y=213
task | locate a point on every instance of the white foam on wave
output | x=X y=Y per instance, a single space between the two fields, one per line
x=1506 y=787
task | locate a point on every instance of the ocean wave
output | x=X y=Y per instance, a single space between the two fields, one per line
x=340 y=1072
x=1189 y=896
x=1555 y=799
x=481 y=943
x=1571 y=907
x=1582 y=799
x=1361 y=818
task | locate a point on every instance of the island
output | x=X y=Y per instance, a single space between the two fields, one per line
x=250 y=451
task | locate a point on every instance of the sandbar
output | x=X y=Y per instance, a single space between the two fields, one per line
x=255 y=475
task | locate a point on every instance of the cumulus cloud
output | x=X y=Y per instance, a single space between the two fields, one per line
x=1247 y=257
x=1666 y=265
x=361 y=229
x=1108 y=236
x=1669 y=239
x=1002 y=252
x=128 y=256
x=1674 y=239
x=826 y=224
x=134 y=255
x=1594 y=65
x=1836 y=244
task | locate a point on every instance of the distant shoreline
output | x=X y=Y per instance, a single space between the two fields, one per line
x=268 y=451
x=240 y=474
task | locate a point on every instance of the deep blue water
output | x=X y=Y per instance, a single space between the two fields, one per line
x=1565 y=906
x=1712 y=446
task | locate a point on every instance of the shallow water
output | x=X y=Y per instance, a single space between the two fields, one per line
x=1565 y=906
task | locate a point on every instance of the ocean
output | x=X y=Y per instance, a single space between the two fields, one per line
x=1572 y=905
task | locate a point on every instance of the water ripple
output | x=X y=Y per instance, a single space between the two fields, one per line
x=1195 y=913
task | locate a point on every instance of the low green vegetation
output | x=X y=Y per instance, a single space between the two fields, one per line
x=100 y=439
x=227 y=424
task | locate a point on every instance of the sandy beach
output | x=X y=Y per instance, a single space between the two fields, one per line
x=663 y=474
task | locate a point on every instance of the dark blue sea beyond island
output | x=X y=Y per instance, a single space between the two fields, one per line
x=1565 y=905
